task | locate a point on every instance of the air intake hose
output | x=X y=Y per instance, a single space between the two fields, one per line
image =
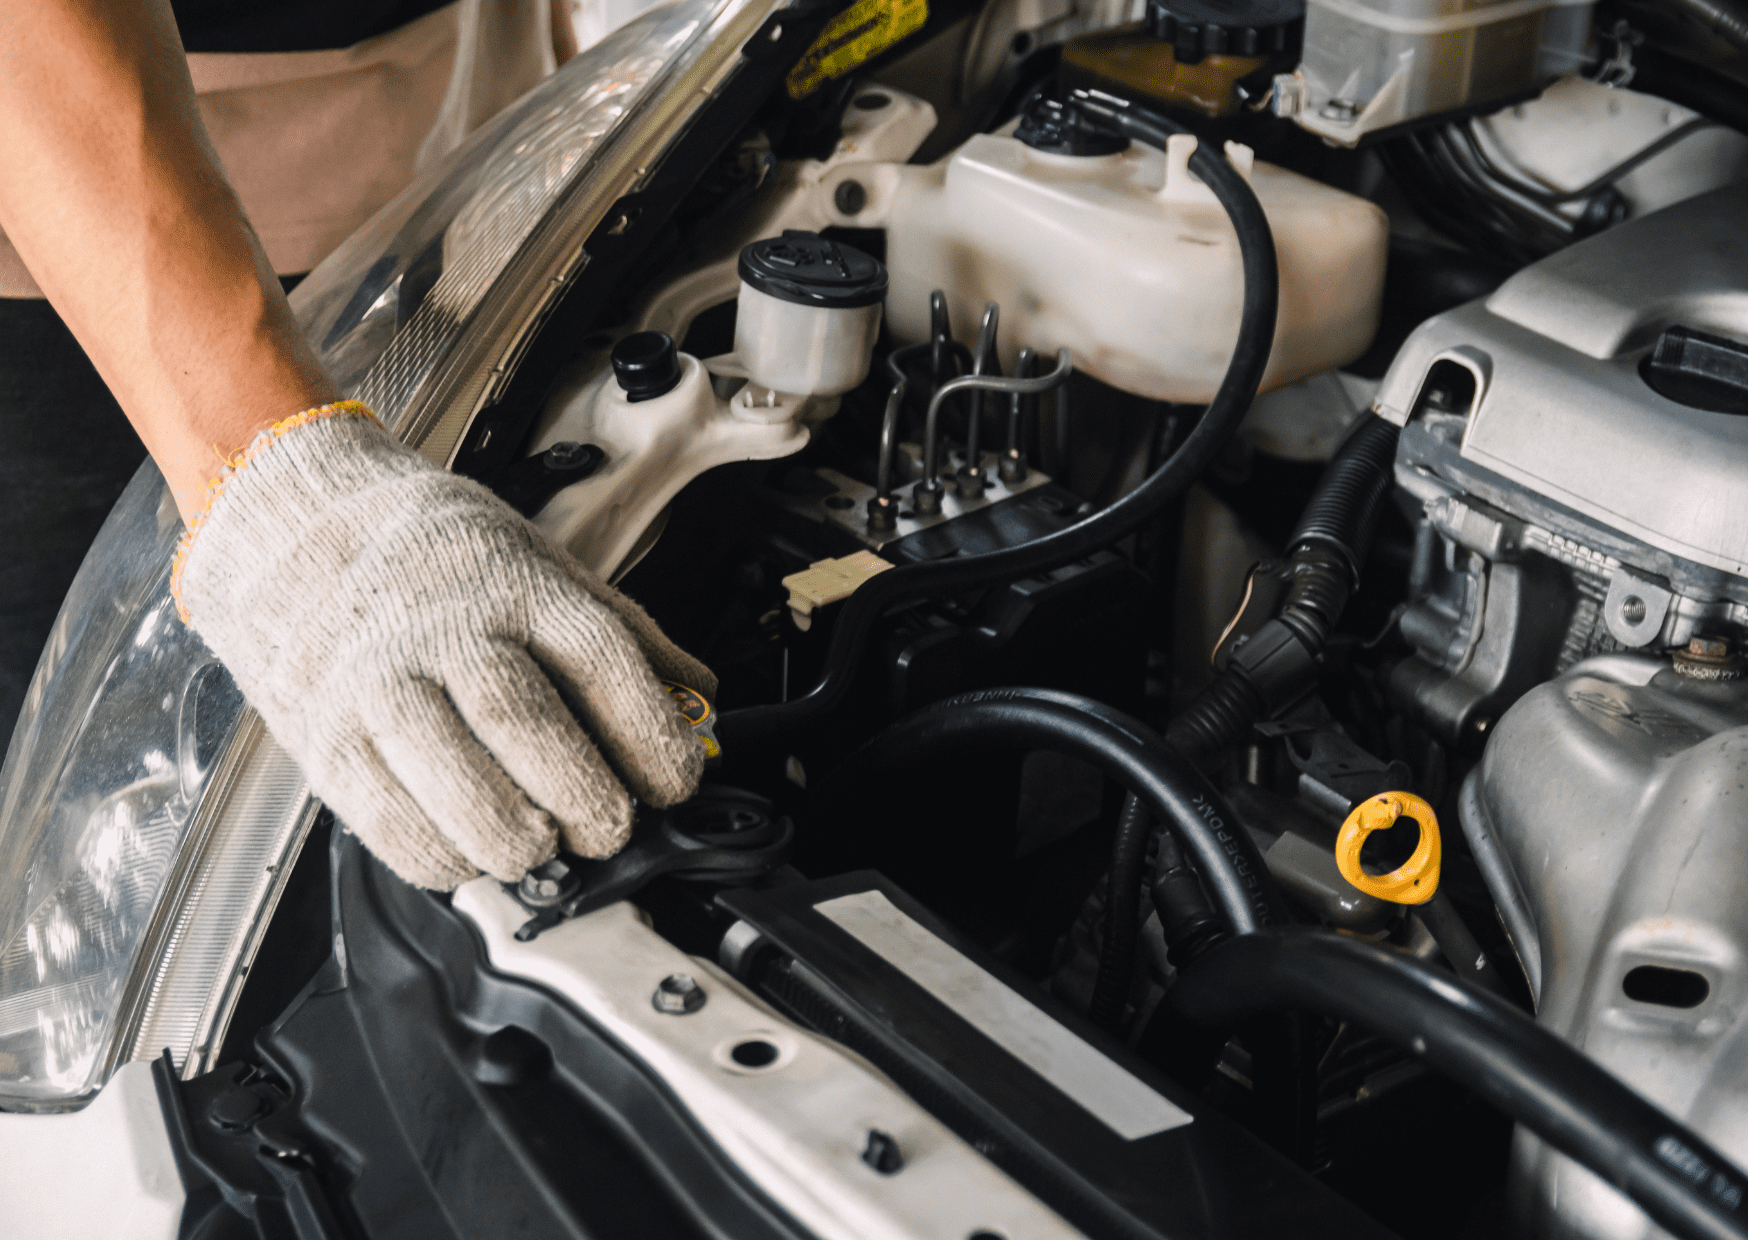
x=1278 y=664
x=1486 y=1045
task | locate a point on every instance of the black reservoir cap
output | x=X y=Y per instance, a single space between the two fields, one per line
x=1699 y=370
x=647 y=365
x=806 y=269
x=1198 y=28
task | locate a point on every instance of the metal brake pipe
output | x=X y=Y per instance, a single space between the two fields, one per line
x=912 y=583
x=1128 y=751
x=988 y=383
x=1013 y=460
x=1489 y=1047
x=971 y=479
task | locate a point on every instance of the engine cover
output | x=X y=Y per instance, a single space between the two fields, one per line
x=1610 y=818
x=1568 y=505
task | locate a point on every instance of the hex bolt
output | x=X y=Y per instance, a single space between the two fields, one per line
x=567 y=455
x=548 y=885
x=882 y=514
x=1709 y=658
x=678 y=995
x=1708 y=648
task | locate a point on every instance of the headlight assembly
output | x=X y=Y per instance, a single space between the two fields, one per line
x=147 y=821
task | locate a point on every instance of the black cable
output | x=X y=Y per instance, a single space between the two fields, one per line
x=1725 y=18
x=1489 y=1047
x=913 y=583
x=1123 y=748
x=1122 y=914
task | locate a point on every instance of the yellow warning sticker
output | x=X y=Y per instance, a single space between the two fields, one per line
x=854 y=37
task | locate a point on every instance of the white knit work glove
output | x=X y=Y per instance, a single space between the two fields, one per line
x=426 y=655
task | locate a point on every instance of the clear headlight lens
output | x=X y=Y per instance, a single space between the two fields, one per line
x=147 y=822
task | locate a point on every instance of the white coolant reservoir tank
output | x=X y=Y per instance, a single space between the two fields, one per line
x=1121 y=254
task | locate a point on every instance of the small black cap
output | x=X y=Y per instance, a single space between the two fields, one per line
x=1059 y=128
x=1198 y=28
x=647 y=365
x=806 y=269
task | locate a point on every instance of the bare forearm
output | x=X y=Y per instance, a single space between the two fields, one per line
x=115 y=200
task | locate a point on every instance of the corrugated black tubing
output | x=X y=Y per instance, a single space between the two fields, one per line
x=1127 y=751
x=1325 y=554
x=914 y=583
x=1487 y=1046
x=1343 y=510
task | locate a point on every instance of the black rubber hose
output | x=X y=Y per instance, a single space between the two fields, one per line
x=913 y=583
x=1490 y=1048
x=1706 y=91
x=1279 y=663
x=1122 y=914
x=1123 y=748
x=1724 y=18
x=1343 y=509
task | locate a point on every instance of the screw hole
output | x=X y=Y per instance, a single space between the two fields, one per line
x=754 y=1053
x=1676 y=988
x=873 y=101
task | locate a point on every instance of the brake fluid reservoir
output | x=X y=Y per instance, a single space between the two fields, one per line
x=1121 y=254
x=807 y=315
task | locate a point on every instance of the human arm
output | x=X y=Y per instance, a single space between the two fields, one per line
x=418 y=648
x=115 y=200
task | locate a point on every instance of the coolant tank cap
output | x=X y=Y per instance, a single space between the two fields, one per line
x=806 y=269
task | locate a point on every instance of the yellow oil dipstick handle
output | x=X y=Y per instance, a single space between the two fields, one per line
x=1417 y=880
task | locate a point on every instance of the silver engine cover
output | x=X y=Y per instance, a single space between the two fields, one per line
x=1610 y=812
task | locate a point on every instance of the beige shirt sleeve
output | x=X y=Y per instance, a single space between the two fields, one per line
x=316 y=142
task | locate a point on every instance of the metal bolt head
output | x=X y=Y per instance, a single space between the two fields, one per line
x=548 y=884
x=1708 y=648
x=566 y=455
x=1709 y=658
x=678 y=995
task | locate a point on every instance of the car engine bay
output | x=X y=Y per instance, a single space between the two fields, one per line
x=1221 y=528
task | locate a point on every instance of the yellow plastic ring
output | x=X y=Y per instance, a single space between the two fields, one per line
x=1417 y=880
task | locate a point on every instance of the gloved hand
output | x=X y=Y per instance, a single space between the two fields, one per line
x=420 y=650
